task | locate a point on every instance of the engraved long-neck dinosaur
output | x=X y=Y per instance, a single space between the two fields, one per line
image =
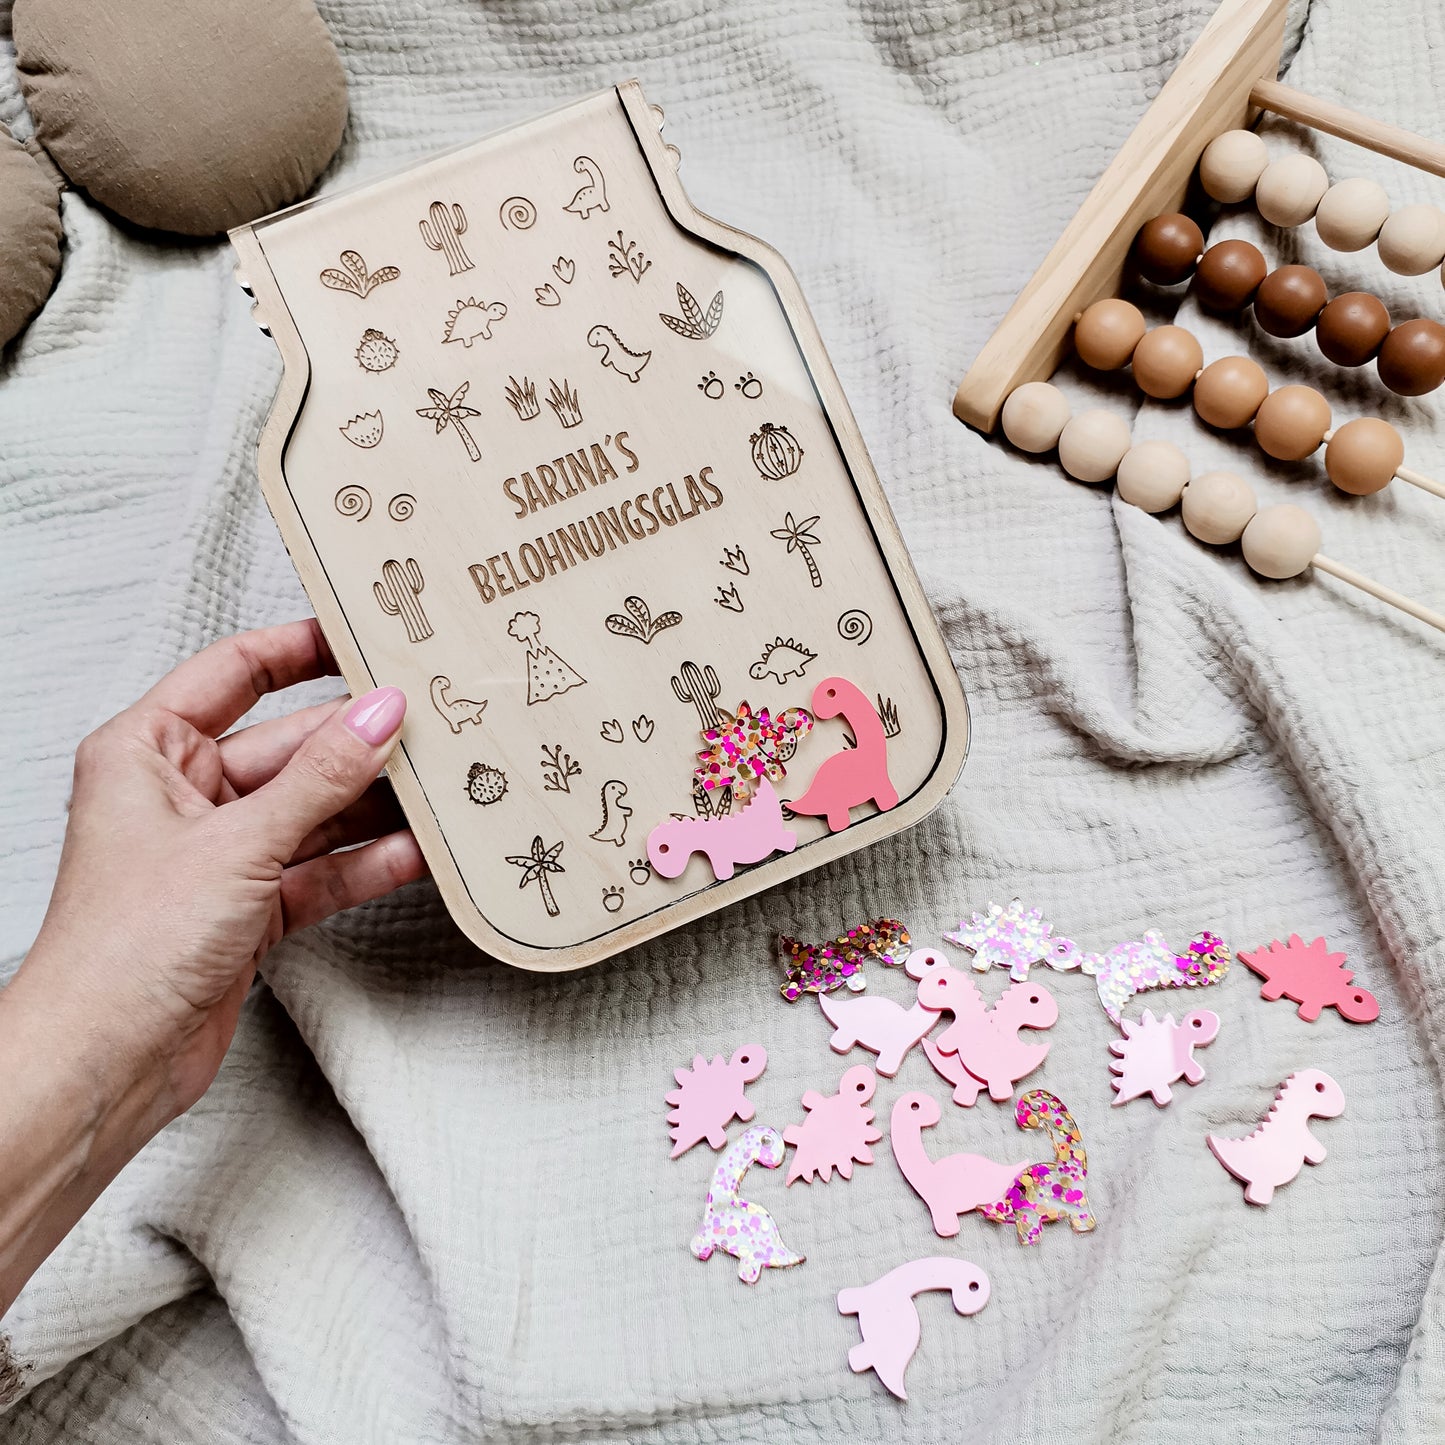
x=592 y=196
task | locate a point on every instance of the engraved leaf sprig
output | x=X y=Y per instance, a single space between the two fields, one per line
x=693 y=323
x=642 y=624
x=354 y=276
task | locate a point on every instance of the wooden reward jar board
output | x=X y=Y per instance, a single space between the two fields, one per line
x=566 y=460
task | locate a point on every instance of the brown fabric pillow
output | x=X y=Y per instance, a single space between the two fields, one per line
x=183 y=115
x=29 y=236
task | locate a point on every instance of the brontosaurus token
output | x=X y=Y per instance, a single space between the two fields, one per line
x=857 y=775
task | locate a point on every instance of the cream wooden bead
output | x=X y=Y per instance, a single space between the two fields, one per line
x=1231 y=165
x=1093 y=444
x=1280 y=541
x=1290 y=190
x=1217 y=507
x=1412 y=240
x=1033 y=416
x=1351 y=214
x=1153 y=476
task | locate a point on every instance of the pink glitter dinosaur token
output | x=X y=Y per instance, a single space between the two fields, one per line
x=710 y=1095
x=1046 y=1192
x=748 y=745
x=825 y=967
x=838 y=1130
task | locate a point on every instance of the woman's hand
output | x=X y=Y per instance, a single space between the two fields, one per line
x=187 y=856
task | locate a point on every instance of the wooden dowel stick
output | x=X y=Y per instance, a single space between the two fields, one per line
x=1376 y=589
x=1350 y=125
x=1417 y=479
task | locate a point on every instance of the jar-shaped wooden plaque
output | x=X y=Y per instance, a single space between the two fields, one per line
x=566 y=460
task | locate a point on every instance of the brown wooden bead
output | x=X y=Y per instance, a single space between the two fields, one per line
x=1167 y=248
x=1412 y=358
x=1229 y=392
x=1228 y=276
x=1351 y=328
x=1107 y=333
x=1289 y=300
x=1364 y=455
x=1166 y=362
x=1291 y=423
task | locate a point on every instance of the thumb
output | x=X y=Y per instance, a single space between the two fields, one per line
x=328 y=772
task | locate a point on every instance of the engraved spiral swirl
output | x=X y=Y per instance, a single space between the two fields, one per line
x=401 y=506
x=855 y=625
x=518 y=213
x=354 y=501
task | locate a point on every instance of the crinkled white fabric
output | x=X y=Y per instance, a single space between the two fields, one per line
x=429 y=1197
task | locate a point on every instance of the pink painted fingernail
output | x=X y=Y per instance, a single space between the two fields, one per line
x=376 y=715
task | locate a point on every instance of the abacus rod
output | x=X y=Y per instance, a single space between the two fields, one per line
x=1418 y=479
x=1377 y=589
x=1376 y=135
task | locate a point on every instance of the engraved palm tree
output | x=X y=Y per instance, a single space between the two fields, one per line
x=535 y=867
x=799 y=537
x=448 y=411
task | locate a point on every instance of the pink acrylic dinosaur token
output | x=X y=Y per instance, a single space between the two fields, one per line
x=857 y=775
x=837 y=1131
x=880 y=1025
x=950 y=1186
x=1155 y=1053
x=736 y=1226
x=983 y=1040
x=888 y=1318
x=710 y=1095
x=1311 y=976
x=1282 y=1145
x=755 y=833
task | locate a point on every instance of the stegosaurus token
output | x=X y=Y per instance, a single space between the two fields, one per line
x=838 y=1130
x=709 y=1096
x=1311 y=976
x=1156 y=1053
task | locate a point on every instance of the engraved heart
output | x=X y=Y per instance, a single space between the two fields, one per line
x=547 y=295
x=612 y=730
x=564 y=270
x=642 y=729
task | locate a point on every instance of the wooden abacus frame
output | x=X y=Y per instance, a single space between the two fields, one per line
x=1227 y=77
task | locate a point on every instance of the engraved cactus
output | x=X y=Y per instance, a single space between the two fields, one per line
x=699 y=686
x=397 y=593
x=443 y=230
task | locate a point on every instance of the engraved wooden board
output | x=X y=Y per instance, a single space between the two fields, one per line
x=566 y=460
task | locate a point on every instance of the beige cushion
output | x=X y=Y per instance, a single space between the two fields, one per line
x=183 y=115
x=29 y=236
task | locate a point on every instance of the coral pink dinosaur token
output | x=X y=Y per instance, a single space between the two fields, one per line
x=858 y=774
x=888 y=1318
x=710 y=1095
x=1155 y=1053
x=880 y=1025
x=1311 y=976
x=953 y=1185
x=983 y=1040
x=1283 y=1144
x=838 y=1130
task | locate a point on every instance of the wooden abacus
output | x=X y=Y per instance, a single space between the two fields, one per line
x=1224 y=81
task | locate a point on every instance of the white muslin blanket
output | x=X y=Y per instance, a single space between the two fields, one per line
x=429 y=1198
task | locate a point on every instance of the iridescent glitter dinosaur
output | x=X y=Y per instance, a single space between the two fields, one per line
x=1014 y=938
x=1148 y=963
